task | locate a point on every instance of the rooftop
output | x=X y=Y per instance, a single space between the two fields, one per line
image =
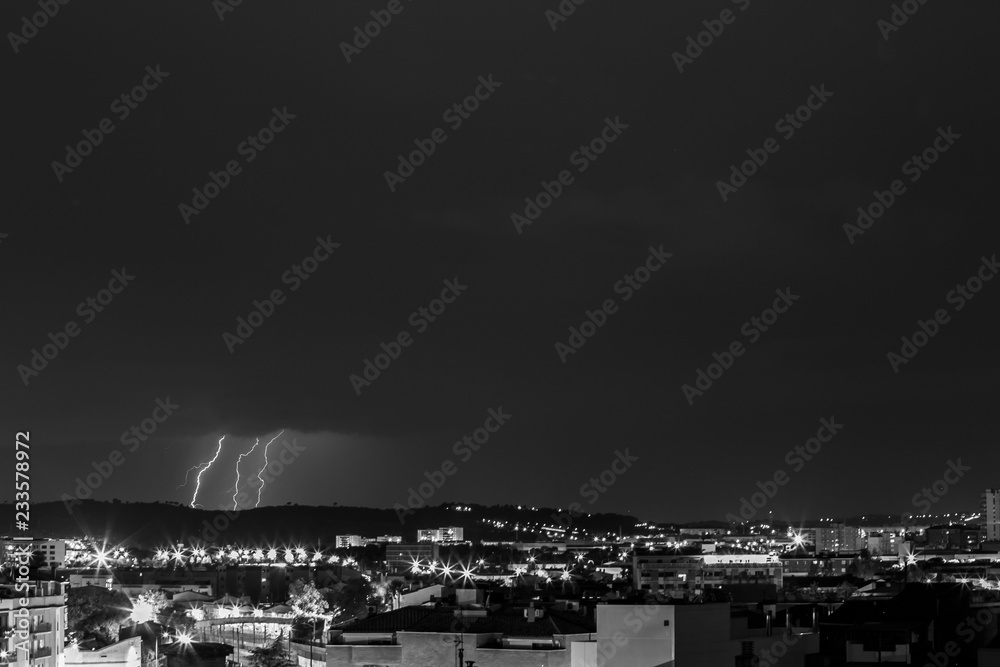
x=510 y=622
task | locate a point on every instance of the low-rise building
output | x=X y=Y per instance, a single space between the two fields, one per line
x=403 y=557
x=636 y=635
x=816 y=566
x=125 y=653
x=953 y=536
x=884 y=543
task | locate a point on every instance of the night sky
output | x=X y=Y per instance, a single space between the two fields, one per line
x=517 y=288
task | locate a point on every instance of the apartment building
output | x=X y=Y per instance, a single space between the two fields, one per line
x=348 y=541
x=43 y=619
x=990 y=511
x=685 y=577
x=445 y=534
x=840 y=538
x=884 y=543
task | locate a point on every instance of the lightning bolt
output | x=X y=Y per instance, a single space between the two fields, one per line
x=207 y=466
x=265 y=466
x=236 y=488
x=188 y=473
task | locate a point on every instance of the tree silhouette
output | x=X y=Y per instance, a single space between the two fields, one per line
x=271 y=656
x=97 y=612
x=305 y=600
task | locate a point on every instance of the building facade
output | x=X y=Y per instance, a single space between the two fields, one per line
x=33 y=623
x=126 y=653
x=348 y=541
x=445 y=534
x=839 y=538
x=990 y=507
x=50 y=553
x=685 y=577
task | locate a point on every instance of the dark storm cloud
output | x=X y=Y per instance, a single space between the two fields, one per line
x=656 y=185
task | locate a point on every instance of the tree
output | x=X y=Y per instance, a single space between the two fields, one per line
x=97 y=612
x=349 y=599
x=148 y=605
x=864 y=566
x=915 y=573
x=177 y=620
x=305 y=600
x=844 y=591
x=271 y=656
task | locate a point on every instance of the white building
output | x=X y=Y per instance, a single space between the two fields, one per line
x=51 y=552
x=885 y=543
x=42 y=620
x=691 y=635
x=126 y=653
x=445 y=534
x=348 y=541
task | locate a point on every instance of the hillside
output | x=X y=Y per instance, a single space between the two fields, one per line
x=153 y=524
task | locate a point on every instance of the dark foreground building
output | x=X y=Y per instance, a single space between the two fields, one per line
x=197 y=654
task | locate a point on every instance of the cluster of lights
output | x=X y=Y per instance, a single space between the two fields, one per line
x=96 y=555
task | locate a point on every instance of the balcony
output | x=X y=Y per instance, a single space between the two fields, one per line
x=42 y=627
x=43 y=652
